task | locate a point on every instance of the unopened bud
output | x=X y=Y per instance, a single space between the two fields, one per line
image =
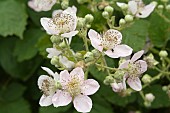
x=108 y=80
x=95 y=52
x=146 y=79
x=109 y=9
x=122 y=22
x=128 y=18
x=160 y=7
x=88 y=25
x=88 y=57
x=78 y=55
x=149 y=97
x=123 y=6
x=63 y=44
x=163 y=53
x=164 y=1
x=105 y=14
x=55 y=60
x=64 y=4
x=147 y=104
x=168 y=7
x=117 y=87
x=150 y=60
x=89 y=18
x=80 y=23
x=55 y=39
x=165 y=88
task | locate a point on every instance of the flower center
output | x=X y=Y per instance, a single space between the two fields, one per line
x=110 y=39
x=64 y=22
x=133 y=70
x=73 y=87
x=48 y=86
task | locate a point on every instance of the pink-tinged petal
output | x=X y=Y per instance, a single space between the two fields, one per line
x=146 y=11
x=32 y=5
x=45 y=100
x=61 y=98
x=49 y=26
x=55 y=12
x=119 y=51
x=142 y=66
x=132 y=7
x=137 y=55
x=41 y=79
x=49 y=71
x=124 y=64
x=52 y=52
x=90 y=87
x=70 y=34
x=95 y=39
x=134 y=83
x=117 y=87
x=82 y=103
x=78 y=73
x=64 y=77
x=71 y=10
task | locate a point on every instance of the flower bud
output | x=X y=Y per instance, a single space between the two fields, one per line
x=64 y=4
x=82 y=1
x=88 y=25
x=80 y=64
x=109 y=9
x=55 y=39
x=165 y=88
x=151 y=62
x=122 y=22
x=163 y=53
x=105 y=15
x=147 y=104
x=168 y=7
x=108 y=80
x=55 y=60
x=89 y=18
x=128 y=18
x=164 y=1
x=95 y=52
x=146 y=79
x=160 y=7
x=88 y=57
x=117 y=87
x=78 y=55
x=62 y=44
x=124 y=6
x=58 y=85
x=149 y=97
x=80 y=23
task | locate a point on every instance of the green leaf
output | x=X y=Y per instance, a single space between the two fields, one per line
x=135 y=35
x=52 y=109
x=159 y=30
x=25 y=49
x=18 y=106
x=12 y=92
x=114 y=98
x=9 y=63
x=13 y=18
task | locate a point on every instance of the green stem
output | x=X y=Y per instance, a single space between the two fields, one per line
x=164 y=17
x=105 y=64
x=113 y=69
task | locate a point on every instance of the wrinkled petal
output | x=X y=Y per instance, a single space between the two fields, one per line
x=49 y=26
x=49 y=71
x=82 y=103
x=41 y=79
x=64 y=77
x=132 y=7
x=146 y=11
x=124 y=64
x=95 y=39
x=52 y=52
x=142 y=66
x=90 y=87
x=70 y=34
x=117 y=87
x=61 y=98
x=119 y=51
x=77 y=72
x=45 y=100
x=137 y=55
x=134 y=83
x=55 y=12
x=64 y=61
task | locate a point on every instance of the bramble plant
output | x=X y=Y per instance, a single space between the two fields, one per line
x=96 y=47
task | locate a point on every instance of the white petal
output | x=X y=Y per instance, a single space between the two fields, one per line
x=41 y=79
x=55 y=12
x=49 y=71
x=142 y=66
x=95 y=39
x=49 y=26
x=135 y=83
x=82 y=103
x=64 y=77
x=61 y=98
x=119 y=51
x=78 y=72
x=52 y=52
x=71 y=10
x=90 y=87
x=137 y=55
x=124 y=64
x=64 y=61
x=45 y=100
x=146 y=11
x=124 y=81
x=56 y=76
x=32 y=5
x=117 y=87
x=132 y=7
x=120 y=4
x=70 y=34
